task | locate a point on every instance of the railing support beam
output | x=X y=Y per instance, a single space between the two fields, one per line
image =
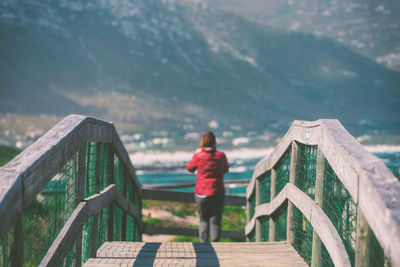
x=110 y=168
x=95 y=222
x=17 y=249
x=363 y=240
x=80 y=195
x=271 y=220
x=292 y=178
x=319 y=194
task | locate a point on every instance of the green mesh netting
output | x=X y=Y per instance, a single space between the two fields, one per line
x=282 y=171
x=264 y=188
x=252 y=236
x=280 y=224
x=252 y=204
x=264 y=227
x=117 y=223
x=341 y=210
x=376 y=254
x=326 y=260
x=303 y=235
x=5 y=249
x=47 y=214
x=305 y=168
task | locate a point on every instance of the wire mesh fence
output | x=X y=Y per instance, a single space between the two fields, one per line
x=341 y=210
x=48 y=212
x=281 y=224
x=303 y=235
x=305 y=168
x=264 y=228
x=264 y=188
x=337 y=204
x=282 y=171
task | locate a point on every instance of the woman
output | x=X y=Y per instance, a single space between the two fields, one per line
x=209 y=192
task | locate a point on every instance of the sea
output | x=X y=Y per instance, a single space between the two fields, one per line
x=166 y=168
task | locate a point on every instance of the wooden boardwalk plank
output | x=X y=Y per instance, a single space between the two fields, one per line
x=196 y=254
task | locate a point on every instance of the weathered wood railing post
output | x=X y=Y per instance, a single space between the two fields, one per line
x=363 y=240
x=95 y=222
x=319 y=194
x=292 y=177
x=110 y=168
x=257 y=200
x=17 y=247
x=248 y=216
x=271 y=220
x=80 y=195
x=124 y=215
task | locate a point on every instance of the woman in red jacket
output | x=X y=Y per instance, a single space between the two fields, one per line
x=210 y=191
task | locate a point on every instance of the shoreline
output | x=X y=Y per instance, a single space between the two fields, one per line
x=155 y=157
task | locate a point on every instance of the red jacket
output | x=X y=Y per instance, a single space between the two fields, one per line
x=211 y=166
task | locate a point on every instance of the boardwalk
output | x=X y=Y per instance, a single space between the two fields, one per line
x=196 y=254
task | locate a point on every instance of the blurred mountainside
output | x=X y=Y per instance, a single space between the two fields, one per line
x=369 y=27
x=161 y=63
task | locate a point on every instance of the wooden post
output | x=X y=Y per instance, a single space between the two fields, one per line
x=80 y=195
x=257 y=222
x=17 y=249
x=363 y=240
x=271 y=220
x=292 y=177
x=248 y=216
x=124 y=215
x=110 y=168
x=319 y=194
x=95 y=222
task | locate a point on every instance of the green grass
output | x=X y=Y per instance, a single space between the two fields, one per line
x=152 y=221
x=7 y=153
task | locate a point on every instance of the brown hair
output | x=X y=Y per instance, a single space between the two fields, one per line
x=208 y=140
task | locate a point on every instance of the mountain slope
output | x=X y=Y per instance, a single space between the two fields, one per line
x=162 y=63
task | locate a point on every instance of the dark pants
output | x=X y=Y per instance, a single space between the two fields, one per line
x=210 y=210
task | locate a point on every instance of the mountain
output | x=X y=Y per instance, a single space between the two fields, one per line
x=164 y=63
x=368 y=27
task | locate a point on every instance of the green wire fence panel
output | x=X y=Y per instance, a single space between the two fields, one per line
x=264 y=188
x=376 y=254
x=303 y=235
x=252 y=236
x=264 y=227
x=341 y=210
x=280 y=224
x=282 y=171
x=305 y=168
x=326 y=260
x=47 y=214
x=252 y=205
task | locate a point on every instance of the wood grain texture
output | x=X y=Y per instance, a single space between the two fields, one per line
x=274 y=254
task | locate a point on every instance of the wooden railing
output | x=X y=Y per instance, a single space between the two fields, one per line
x=23 y=179
x=81 y=166
x=362 y=178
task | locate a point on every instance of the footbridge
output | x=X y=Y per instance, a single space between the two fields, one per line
x=320 y=199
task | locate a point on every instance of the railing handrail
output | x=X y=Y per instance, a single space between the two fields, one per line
x=368 y=180
x=28 y=173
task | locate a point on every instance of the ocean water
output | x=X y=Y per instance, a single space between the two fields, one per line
x=240 y=169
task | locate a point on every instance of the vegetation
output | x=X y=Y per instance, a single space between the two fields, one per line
x=7 y=153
